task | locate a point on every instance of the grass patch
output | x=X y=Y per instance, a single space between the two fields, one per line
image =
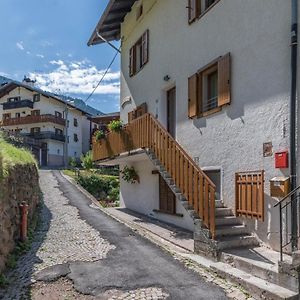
x=12 y=155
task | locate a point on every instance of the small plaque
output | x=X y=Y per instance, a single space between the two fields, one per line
x=267 y=149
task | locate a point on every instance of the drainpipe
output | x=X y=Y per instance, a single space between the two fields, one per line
x=293 y=119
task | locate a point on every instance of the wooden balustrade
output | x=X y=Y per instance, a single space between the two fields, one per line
x=33 y=119
x=147 y=132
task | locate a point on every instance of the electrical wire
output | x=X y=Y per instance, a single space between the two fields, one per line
x=104 y=74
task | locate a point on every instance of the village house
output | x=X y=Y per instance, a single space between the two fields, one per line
x=210 y=120
x=62 y=130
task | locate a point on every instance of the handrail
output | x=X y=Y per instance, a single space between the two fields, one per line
x=148 y=133
x=288 y=195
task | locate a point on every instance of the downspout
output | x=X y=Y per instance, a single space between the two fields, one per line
x=293 y=120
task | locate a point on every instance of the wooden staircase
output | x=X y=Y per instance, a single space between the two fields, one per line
x=216 y=228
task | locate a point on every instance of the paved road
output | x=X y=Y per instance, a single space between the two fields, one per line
x=113 y=262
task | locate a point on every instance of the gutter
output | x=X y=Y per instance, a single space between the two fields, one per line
x=293 y=120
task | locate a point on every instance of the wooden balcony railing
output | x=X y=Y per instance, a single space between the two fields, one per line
x=33 y=119
x=147 y=132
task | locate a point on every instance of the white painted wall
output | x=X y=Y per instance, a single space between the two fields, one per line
x=50 y=106
x=144 y=196
x=257 y=34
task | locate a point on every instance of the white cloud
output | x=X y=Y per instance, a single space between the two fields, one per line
x=28 y=52
x=20 y=45
x=77 y=77
x=40 y=55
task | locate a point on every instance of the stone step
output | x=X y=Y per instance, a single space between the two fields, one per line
x=257 y=287
x=219 y=203
x=227 y=220
x=236 y=241
x=223 y=211
x=262 y=263
x=230 y=230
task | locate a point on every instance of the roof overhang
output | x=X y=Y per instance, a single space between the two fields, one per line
x=109 y=25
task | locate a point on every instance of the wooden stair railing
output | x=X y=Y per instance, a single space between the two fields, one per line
x=147 y=132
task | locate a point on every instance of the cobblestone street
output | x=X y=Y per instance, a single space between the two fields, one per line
x=80 y=253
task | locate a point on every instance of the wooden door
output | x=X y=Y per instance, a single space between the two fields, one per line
x=167 y=199
x=171 y=111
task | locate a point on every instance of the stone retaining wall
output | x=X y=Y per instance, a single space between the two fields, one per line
x=20 y=184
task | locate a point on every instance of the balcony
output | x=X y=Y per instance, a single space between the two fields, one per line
x=33 y=119
x=46 y=135
x=18 y=104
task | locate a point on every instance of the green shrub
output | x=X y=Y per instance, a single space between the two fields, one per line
x=100 y=187
x=73 y=162
x=99 y=135
x=130 y=175
x=87 y=160
x=115 y=125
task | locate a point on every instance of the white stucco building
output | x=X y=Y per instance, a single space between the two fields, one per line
x=62 y=129
x=217 y=76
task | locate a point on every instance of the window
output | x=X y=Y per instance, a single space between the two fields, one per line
x=196 y=8
x=36 y=97
x=6 y=116
x=68 y=123
x=209 y=3
x=58 y=131
x=35 y=112
x=68 y=139
x=58 y=151
x=18 y=115
x=75 y=122
x=139 y=54
x=13 y=99
x=209 y=89
x=58 y=114
x=75 y=138
x=35 y=130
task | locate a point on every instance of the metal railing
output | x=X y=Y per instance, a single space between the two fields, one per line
x=289 y=221
x=147 y=132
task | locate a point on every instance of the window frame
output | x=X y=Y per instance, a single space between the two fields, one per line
x=143 y=44
x=199 y=12
x=75 y=122
x=75 y=137
x=36 y=97
x=196 y=87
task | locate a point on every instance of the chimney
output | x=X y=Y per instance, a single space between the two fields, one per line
x=28 y=81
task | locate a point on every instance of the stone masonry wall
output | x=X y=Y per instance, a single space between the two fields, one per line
x=20 y=184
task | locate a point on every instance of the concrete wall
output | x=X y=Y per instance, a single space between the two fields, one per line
x=144 y=196
x=257 y=34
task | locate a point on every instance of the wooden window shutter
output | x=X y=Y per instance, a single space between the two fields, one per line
x=145 y=47
x=224 y=70
x=132 y=61
x=130 y=116
x=193 y=96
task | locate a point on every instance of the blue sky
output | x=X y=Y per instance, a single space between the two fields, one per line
x=47 y=40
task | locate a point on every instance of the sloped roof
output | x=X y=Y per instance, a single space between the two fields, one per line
x=109 y=25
